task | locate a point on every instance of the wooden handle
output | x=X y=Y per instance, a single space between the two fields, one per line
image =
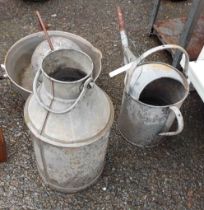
x=121 y=21
x=3 y=152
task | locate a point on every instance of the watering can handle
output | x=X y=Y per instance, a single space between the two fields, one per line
x=154 y=50
x=134 y=64
x=39 y=100
x=180 y=122
x=164 y=47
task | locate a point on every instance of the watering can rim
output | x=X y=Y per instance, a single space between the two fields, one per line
x=185 y=85
x=153 y=106
x=68 y=82
x=182 y=74
x=41 y=34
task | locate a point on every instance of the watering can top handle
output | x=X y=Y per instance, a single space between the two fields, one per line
x=164 y=47
x=39 y=100
x=135 y=63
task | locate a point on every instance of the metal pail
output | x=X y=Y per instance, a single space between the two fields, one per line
x=18 y=58
x=153 y=94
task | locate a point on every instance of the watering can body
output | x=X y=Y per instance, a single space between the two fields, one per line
x=145 y=124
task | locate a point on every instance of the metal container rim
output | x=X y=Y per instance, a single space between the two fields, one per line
x=185 y=85
x=40 y=34
x=66 y=82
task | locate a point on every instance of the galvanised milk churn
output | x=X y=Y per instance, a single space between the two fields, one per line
x=153 y=95
x=70 y=118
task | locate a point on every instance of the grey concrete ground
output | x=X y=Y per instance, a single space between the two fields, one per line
x=169 y=176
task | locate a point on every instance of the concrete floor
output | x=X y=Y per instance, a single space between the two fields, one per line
x=169 y=176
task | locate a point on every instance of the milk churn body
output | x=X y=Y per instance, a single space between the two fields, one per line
x=144 y=124
x=70 y=145
x=70 y=168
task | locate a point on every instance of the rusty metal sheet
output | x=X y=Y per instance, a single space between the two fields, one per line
x=169 y=31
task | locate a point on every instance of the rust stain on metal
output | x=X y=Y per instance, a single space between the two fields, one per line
x=45 y=30
x=3 y=152
x=169 y=31
x=121 y=21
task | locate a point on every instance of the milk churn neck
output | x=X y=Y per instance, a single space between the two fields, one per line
x=65 y=71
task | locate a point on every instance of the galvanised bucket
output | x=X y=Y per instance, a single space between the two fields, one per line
x=70 y=118
x=153 y=95
x=17 y=64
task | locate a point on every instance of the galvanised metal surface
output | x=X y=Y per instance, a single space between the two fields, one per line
x=143 y=123
x=17 y=64
x=43 y=49
x=166 y=177
x=70 y=169
x=70 y=123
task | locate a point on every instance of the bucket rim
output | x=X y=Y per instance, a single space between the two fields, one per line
x=185 y=85
x=40 y=34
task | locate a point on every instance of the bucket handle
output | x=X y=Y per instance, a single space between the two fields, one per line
x=180 y=122
x=39 y=100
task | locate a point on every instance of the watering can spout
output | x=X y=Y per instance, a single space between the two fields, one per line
x=129 y=57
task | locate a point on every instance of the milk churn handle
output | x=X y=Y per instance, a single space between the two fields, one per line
x=180 y=122
x=36 y=79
